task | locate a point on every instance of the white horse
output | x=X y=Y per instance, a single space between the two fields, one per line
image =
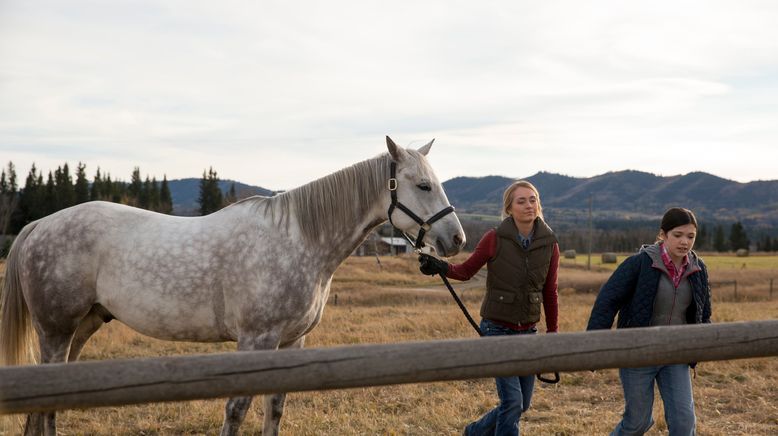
x=257 y=272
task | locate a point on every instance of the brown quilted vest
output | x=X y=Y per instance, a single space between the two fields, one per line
x=515 y=279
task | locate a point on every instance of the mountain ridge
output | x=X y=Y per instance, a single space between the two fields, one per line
x=616 y=195
x=628 y=194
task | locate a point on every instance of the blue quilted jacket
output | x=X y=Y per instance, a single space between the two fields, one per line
x=631 y=290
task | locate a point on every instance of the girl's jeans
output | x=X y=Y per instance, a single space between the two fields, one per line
x=515 y=394
x=675 y=387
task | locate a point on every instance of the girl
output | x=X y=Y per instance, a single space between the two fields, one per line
x=663 y=284
x=523 y=258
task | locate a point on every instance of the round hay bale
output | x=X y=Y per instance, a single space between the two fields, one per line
x=569 y=254
x=742 y=252
x=609 y=258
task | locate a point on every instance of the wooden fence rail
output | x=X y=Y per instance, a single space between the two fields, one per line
x=119 y=382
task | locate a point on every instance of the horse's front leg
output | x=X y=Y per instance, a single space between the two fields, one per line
x=236 y=408
x=274 y=404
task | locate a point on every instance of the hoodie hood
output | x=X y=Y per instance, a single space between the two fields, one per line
x=654 y=251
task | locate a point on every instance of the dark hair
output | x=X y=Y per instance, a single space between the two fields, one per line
x=677 y=216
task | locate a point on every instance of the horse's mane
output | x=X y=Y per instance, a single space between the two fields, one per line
x=325 y=205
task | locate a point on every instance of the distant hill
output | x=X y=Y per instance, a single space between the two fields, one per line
x=185 y=193
x=621 y=195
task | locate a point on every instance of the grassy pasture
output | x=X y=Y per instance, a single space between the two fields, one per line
x=714 y=261
x=752 y=274
x=395 y=303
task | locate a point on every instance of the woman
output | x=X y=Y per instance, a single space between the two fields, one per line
x=663 y=284
x=523 y=258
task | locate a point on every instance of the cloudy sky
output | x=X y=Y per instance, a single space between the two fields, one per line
x=279 y=93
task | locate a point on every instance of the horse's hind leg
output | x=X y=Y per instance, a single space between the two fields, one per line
x=54 y=349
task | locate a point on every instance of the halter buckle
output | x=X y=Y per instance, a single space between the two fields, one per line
x=392 y=184
x=426 y=227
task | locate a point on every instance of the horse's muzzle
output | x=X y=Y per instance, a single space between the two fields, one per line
x=450 y=247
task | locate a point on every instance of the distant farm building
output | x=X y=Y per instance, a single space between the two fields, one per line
x=383 y=246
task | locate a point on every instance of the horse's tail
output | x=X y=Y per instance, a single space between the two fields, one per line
x=16 y=333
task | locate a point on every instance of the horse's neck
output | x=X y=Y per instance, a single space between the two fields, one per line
x=334 y=224
x=339 y=245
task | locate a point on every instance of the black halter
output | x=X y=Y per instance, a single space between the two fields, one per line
x=424 y=226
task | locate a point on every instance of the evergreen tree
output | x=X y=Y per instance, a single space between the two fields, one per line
x=165 y=198
x=154 y=195
x=231 y=195
x=108 y=192
x=64 y=191
x=97 y=187
x=30 y=200
x=9 y=198
x=13 y=186
x=719 y=243
x=144 y=199
x=703 y=237
x=50 y=196
x=115 y=191
x=210 y=198
x=737 y=237
x=82 y=185
x=135 y=188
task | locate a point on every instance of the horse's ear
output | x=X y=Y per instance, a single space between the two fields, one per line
x=426 y=147
x=397 y=152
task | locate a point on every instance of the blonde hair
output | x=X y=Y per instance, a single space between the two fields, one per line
x=507 y=197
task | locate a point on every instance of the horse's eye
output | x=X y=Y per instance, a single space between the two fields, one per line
x=424 y=186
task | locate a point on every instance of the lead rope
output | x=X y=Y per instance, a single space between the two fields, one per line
x=461 y=305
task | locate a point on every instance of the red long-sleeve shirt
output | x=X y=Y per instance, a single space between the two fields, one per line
x=485 y=251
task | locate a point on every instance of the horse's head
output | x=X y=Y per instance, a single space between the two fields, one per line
x=418 y=205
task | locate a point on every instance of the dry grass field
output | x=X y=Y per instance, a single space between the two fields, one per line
x=395 y=303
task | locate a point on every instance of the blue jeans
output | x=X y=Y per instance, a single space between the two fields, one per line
x=515 y=394
x=675 y=387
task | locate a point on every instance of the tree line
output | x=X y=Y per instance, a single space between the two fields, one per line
x=607 y=236
x=60 y=189
x=717 y=237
